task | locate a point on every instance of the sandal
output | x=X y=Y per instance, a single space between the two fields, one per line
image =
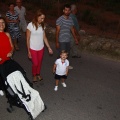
x=35 y=79
x=39 y=77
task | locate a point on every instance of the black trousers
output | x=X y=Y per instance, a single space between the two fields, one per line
x=1 y=85
x=1 y=82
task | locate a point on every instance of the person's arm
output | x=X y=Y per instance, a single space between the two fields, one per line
x=57 y=36
x=28 y=33
x=77 y=34
x=74 y=35
x=24 y=13
x=12 y=47
x=12 y=21
x=67 y=70
x=54 y=68
x=47 y=44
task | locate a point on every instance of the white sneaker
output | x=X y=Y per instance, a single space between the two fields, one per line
x=1 y=93
x=64 y=85
x=70 y=67
x=56 y=88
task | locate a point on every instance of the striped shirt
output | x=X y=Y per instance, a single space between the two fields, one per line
x=65 y=28
x=11 y=16
x=13 y=27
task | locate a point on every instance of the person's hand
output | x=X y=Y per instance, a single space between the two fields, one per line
x=16 y=21
x=76 y=41
x=67 y=74
x=29 y=55
x=9 y=54
x=78 y=37
x=0 y=59
x=50 y=51
x=53 y=71
x=57 y=45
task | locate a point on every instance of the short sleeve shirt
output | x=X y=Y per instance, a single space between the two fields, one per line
x=65 y=28
x=75 y=21
x=12 y=17
x=21 y=12
x=61 y=67
x=36 y=37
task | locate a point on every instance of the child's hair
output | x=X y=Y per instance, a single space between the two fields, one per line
x=63 y=51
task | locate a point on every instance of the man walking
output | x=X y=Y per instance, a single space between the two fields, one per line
x=22 y=12
x=75 y=52
x=64 y=28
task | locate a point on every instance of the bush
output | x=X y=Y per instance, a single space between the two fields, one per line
x=89 y=17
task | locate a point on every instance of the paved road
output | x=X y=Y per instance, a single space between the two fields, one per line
x=92 y=93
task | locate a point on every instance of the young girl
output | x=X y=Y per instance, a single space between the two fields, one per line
x=36 y=38
x=60 y=69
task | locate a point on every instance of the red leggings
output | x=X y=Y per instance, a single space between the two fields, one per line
x=37 y=57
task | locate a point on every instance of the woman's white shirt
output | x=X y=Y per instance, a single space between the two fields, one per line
x=36 y=37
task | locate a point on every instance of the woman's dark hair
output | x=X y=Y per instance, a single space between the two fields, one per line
x=35 y=19
x=11 y=3
x=5 y=23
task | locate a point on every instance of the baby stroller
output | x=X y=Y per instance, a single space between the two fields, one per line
x=19 y=90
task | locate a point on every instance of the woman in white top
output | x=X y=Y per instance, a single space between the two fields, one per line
x=36 y=38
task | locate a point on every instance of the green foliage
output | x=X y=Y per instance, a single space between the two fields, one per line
x=89 y=17
x=68 y=1
x=91 y=3
x=29 y=7
x=85 y=15
x=109 y=5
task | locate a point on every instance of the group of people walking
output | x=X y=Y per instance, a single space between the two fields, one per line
x=67 y=32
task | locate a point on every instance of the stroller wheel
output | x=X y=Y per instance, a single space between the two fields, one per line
x=45 y=107
x=30 y=118
x=10 y=109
